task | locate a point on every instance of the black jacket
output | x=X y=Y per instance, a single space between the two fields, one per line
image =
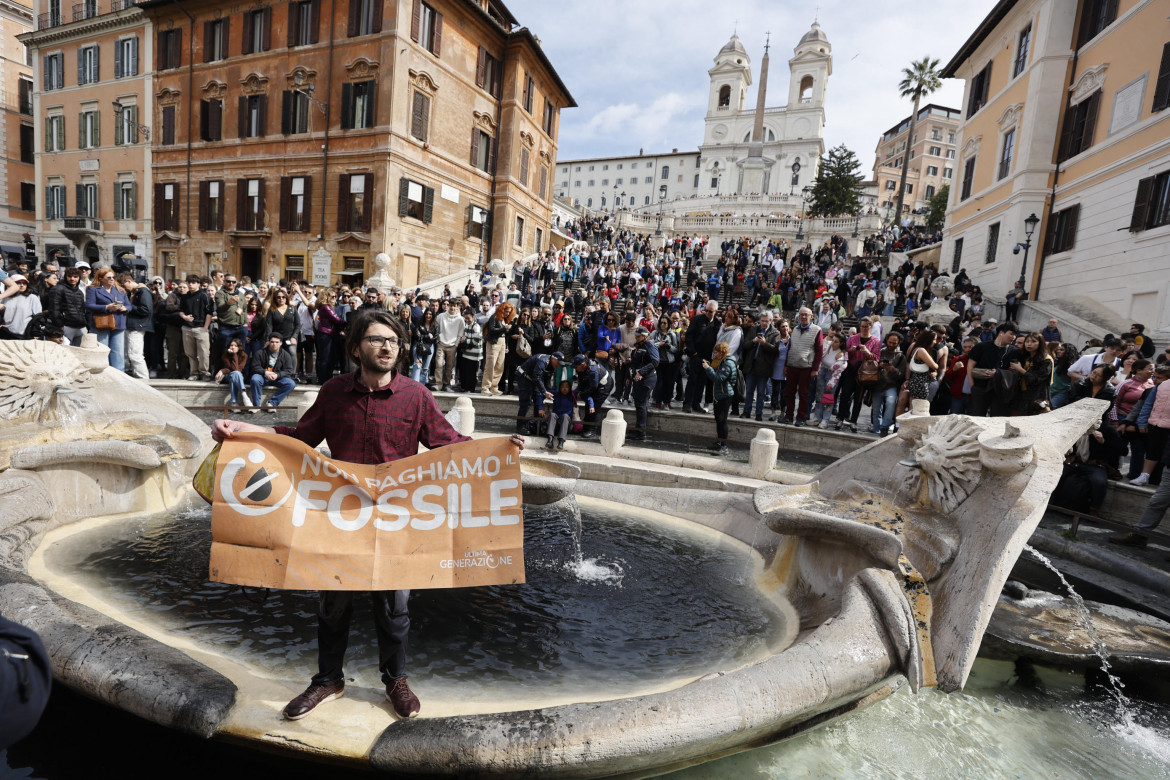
x=285 y=363
x=702 y=336
x=141 y=314
x=66 y=305
x=25 y=679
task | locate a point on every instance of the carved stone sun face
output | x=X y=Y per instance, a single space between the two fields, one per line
x=32 y=373
x=948 y=463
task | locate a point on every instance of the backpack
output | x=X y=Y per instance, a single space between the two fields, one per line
x=740 y=387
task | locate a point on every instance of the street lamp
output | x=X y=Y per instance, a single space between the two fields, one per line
x=615 y=200
x=619 y=214
x=661 y=200
x=803 y=197
x=857 y=222
x=119 y=116
x=1029 y=228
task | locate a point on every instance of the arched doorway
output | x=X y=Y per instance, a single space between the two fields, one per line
x=92 y=255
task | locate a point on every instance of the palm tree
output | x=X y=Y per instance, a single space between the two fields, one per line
x=920 y=79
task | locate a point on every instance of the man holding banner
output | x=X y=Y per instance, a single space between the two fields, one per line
x=375 y=415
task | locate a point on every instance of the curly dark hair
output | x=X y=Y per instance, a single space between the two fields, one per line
x=362 y=323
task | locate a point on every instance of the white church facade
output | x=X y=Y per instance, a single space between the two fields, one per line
x=752 y=159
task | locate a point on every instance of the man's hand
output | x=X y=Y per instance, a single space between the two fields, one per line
x=270 y=376
x=221 y=430
x=517 y=440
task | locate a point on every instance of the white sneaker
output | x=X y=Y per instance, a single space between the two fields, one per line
x=270 y=407
x=1140 y=479
x=247 y=401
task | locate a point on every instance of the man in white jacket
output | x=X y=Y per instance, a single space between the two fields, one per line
x=451 y=328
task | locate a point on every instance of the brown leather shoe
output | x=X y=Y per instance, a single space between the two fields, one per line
x=406 y=704
x=307 y=702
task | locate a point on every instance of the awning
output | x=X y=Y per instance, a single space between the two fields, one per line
x=349 y=273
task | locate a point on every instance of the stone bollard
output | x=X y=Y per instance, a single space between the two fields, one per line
x=613 y=431
x=764 y=452
x=462 y=416
x=92 y=354
x=307 y=400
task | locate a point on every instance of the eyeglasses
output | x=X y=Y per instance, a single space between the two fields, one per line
x=377 y=342
x=229 y=281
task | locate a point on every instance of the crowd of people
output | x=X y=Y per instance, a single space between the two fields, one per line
x=812 y=335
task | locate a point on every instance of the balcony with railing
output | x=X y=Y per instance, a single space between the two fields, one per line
x=77 y=226
x=82 y=11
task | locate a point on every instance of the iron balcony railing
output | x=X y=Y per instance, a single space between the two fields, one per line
x=82 y=11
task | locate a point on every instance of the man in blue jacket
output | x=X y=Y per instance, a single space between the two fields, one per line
x=535 y=382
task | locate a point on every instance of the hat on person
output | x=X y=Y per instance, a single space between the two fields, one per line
x=558 y=356
x=158 y=279
x=579 y=358
x=18 y=278
x=81 y=264
x=641 y=331
x=992 y=322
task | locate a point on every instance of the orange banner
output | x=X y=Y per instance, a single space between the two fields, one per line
x=284 y=516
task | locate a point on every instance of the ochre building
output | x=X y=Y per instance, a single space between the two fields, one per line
x=425 y=130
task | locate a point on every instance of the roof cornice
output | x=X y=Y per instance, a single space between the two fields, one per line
x=71 y=30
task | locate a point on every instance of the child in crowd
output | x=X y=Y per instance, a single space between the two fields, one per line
x=561 y=415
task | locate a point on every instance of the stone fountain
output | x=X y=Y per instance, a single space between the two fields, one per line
x=888 y=566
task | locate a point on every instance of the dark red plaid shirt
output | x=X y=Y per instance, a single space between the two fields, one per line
x=370 y=427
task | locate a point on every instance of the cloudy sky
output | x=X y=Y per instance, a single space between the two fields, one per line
x=638 y=68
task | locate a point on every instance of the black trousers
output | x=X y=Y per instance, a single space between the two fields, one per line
x=391 y=619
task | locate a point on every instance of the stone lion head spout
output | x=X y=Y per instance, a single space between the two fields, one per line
x=948 y=464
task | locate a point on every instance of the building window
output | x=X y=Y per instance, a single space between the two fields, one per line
x=604 y=182
x=483 y=150
x=648 y=180
x=357 y=105
x=487 y=73
x=250 y=204
x=539 y=242
x=980 y=86
x=126 y=58
x=304 y=17
x=87 y=200
x=476 y=221
x=416 y=200
x=519 y=241
x=935 y=135
x=529 y=91
x=426 y=26
x=28 y=196
x=1022 y=46
x=898 y=163
x=1079 y=122
x=577 y=183
x=646 y=202
x=294 y=116
x=935 y=150
x=257 y=26
x=365 y=17
x=125 y=200
x=542 y=186
x=420 y=116
x=89 y=132
x=170 y=49
x=950 y=155
x=589 y=202
x=665 y=172
x=1005 y=155
x=54 y=71
x=294 y=267
x=296 y=194
x=88 y=61
x=948 y=173
x=909 y=189
x=591 y=181
x=253 y=117
x=724 y=96
x=958 y=256
x=211 y=201
x=992 y=244
x=714 y=182
x=27 y=150
x=1151 y=208
x=550 y=114
x=932 y=170
x=1062 y=230
x=55 y=201
x=891 y=185
x=215 y=40
x=1161 y=85
x=55 y=133
x=930 y=190
x=696 y=184
x=1096 y=15
x=166 y=207
x=168 y=125
x=26 y=89
x=968 y=176
x=211 y=120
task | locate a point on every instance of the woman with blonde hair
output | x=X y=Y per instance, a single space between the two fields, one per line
x=495 y=348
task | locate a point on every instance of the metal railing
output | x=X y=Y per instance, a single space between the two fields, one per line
x=82 y=223
x=82 y=11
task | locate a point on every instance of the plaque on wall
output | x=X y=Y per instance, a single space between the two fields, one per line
x=1127 y=105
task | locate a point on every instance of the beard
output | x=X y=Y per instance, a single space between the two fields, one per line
x=374 y=365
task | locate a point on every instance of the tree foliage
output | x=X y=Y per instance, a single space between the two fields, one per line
x=837 y=189
x=918 y=81
x=938 y=208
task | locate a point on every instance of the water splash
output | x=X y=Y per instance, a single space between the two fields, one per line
x=1123 y=708
x=596 y=571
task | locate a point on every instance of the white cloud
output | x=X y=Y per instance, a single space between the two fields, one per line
x=639 y=70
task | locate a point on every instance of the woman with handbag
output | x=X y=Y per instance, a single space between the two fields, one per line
x=667 y=342
x=423 y=339
x=107 y=304
x=521 y=329
x=863 y=350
